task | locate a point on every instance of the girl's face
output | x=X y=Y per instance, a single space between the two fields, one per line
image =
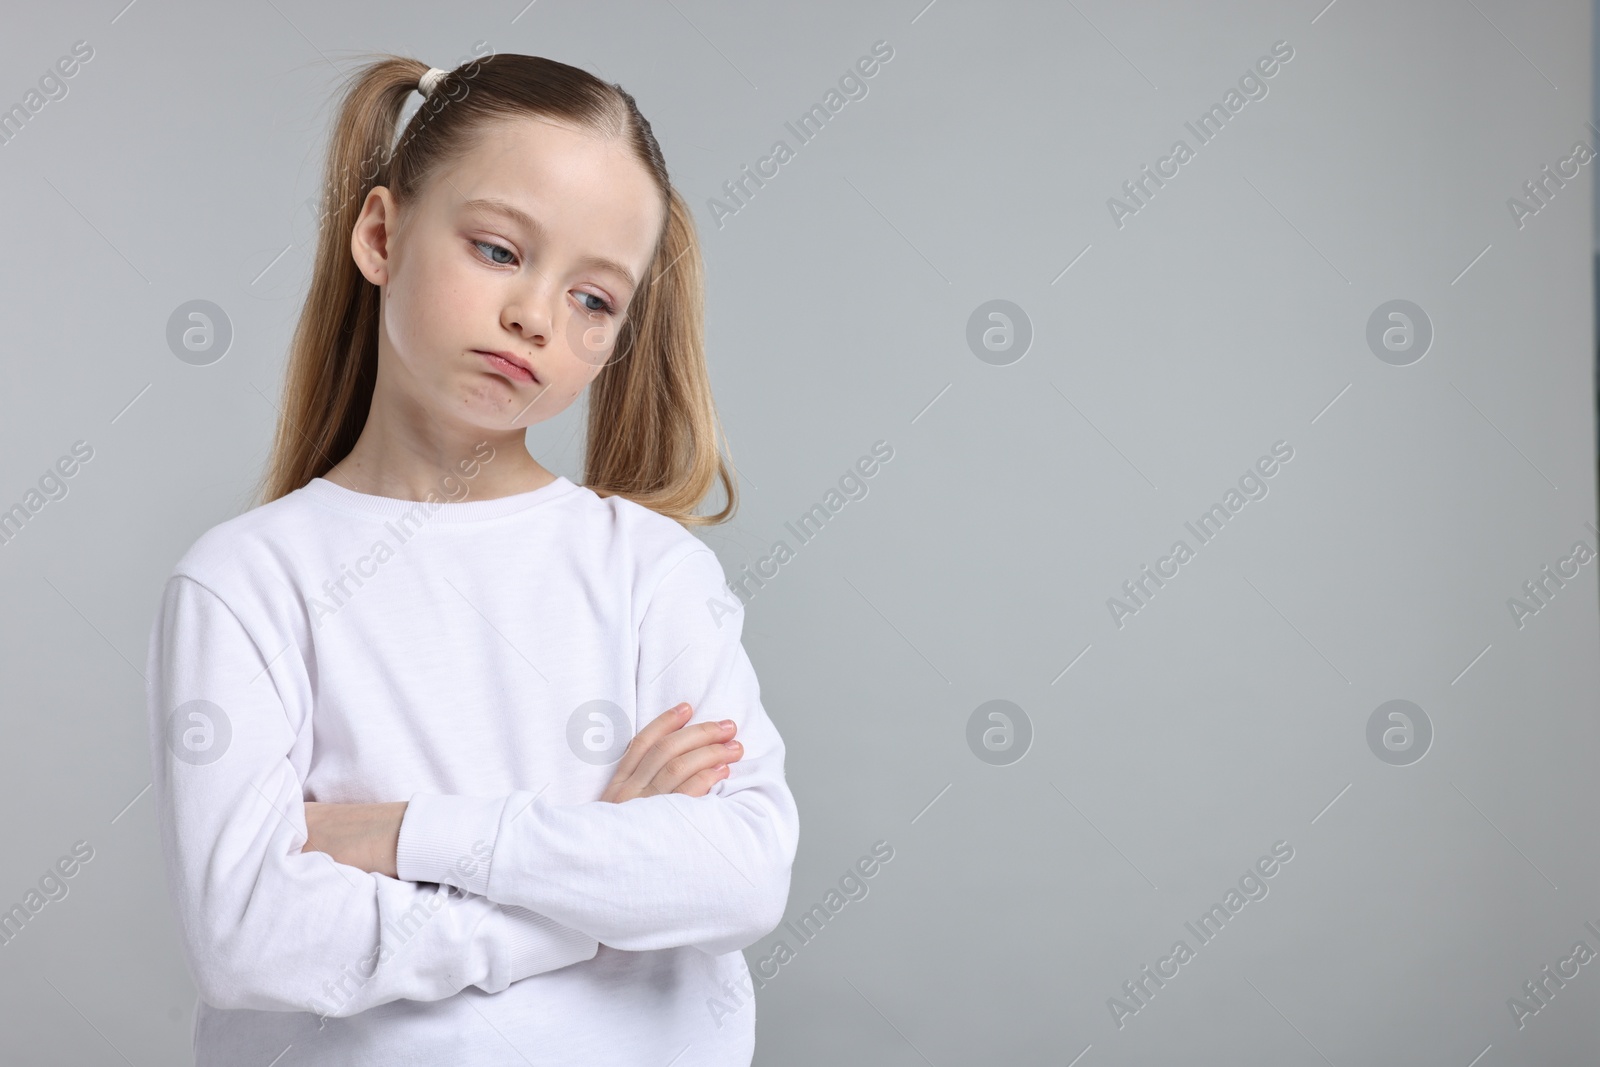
x=532 y=246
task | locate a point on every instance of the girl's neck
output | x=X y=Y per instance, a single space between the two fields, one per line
x=506 y=474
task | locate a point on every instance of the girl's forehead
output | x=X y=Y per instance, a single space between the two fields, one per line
x=533 y=159
x=552 y=181
x=543 y=144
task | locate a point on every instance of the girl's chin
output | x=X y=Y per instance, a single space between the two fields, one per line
x=495 y=404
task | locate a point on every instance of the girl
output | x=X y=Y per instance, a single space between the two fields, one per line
x=407 y=811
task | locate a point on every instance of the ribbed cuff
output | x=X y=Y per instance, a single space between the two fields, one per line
x=449 y=840
x=537 y=943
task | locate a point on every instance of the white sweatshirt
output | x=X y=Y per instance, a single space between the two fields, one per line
x=487 y=661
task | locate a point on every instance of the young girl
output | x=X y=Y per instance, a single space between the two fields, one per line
x=453 y=781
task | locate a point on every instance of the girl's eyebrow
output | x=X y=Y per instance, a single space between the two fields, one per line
x=533 y=226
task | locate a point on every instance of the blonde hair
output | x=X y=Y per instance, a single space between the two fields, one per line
x=653 y=427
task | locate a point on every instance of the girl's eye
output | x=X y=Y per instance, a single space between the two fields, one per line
x=604 y=306
x=499 y=248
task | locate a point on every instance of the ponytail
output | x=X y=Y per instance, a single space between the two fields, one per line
x=666 y=396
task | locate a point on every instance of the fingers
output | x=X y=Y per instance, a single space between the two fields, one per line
x=645 y=739
x=698 y=785
x=697 y=770
x=667 y=756
x=688 y=751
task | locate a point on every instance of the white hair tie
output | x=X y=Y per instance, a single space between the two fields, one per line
x=430 y=81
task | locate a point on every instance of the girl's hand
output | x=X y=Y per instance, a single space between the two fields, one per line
x=360 y=835
x=666 y=758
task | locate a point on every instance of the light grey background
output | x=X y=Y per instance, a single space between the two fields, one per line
x=1228 y=314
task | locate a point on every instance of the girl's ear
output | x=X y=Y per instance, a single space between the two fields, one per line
x=369 y=238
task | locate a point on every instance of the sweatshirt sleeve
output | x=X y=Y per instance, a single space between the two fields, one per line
x=262 y=924
x=652 y=872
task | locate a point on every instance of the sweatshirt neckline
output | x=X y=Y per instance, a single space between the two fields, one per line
x=336 y=496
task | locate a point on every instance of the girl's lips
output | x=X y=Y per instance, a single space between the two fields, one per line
x=506 y=367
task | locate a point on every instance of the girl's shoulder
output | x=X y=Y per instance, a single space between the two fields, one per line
x=245 y=562
x=654 y=543
x=244 y=539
